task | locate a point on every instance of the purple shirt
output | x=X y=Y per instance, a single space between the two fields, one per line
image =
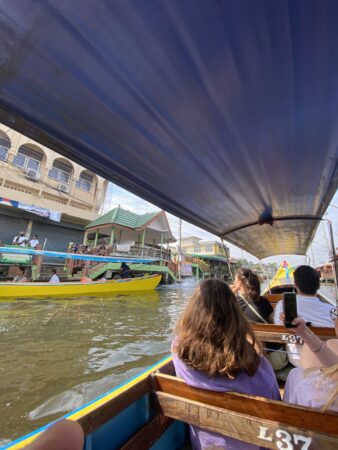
x=263 y=384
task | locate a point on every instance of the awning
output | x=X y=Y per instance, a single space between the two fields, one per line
x=224 y=113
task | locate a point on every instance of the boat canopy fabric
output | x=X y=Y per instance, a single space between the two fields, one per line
x=224 y=113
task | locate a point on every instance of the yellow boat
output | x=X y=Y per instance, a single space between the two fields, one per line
x=69 y=289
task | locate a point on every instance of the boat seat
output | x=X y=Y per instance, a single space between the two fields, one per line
x=280 y=334
x=267 y=423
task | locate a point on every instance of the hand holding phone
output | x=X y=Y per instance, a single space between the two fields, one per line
x=289 y=308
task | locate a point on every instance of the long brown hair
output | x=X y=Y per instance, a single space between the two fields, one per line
x=330 y=373
x=251 y=283
x=213 y=336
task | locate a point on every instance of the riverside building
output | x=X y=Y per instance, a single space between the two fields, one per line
x=43 y=193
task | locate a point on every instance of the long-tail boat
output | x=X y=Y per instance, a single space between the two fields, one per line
x=222 y=113
x=76 y=289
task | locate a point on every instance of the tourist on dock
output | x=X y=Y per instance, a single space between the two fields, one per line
x=315 y=382
x=255 y=307
x=34 y=242
x=20 y=239
x=62 y=435
x=214 y=348
x=309 y=306
x=54 y=278
x=125 y=271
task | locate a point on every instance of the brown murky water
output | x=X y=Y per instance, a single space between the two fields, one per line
x=56 y=355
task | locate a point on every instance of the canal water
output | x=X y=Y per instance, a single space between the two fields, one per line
x=56 y=355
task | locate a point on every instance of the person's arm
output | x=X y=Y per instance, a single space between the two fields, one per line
x=326 y=356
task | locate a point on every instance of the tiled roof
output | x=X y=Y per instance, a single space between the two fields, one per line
x=123 y=217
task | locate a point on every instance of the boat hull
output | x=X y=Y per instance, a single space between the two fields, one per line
x=129 y=408
x=70 y=289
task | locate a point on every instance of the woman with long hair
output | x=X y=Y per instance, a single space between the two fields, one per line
x=255 y=307
x=214 y=348
x=315 y=387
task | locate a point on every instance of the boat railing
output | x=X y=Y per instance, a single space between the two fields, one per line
x=161 y=255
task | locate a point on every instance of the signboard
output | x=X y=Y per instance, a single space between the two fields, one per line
x=186 y=270
x=8 y=258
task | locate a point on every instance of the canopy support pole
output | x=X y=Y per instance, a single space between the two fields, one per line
x=228 y=260
x=266 y=275
x=334 y=259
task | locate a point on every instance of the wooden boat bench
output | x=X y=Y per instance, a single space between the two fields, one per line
x=270 y=424
x=278 y=333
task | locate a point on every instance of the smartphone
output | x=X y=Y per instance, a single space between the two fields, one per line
x=290 y=308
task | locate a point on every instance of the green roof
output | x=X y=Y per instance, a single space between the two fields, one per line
x=123 y=217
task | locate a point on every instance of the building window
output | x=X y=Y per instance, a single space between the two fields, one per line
x=60 y=171
x=5 y=145
x=209 y=248
x=27 y=158
x=197 y=249
x=85 y=181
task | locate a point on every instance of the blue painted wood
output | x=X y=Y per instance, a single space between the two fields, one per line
x=78 y=256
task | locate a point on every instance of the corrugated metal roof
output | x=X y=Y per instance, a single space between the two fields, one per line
x=123 y=217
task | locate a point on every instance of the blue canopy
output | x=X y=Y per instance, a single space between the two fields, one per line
x=224 y=113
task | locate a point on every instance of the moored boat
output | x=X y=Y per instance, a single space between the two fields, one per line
x=75 y=289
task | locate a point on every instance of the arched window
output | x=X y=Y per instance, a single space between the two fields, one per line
x=28 y=158
x=5 y=145
x=61 y=171
x=85 y=181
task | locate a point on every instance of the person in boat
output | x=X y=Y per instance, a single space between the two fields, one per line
x=20 y=239
x=125 y=271
x=34 y=242
x=64 y=434
x=315 y=352
x=315 y=383
x=20 y=276
x=54 y=278
x=255 y=307
x=309 y=306
x=214 y=348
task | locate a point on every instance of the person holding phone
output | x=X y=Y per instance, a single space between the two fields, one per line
x=309 y=306
x=315 y=382
x=315 y=352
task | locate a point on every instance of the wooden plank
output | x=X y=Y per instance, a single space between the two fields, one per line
x=93 y=420
x=267 y=433
x=278 y=333
x=262 y=408
x=149 y=434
